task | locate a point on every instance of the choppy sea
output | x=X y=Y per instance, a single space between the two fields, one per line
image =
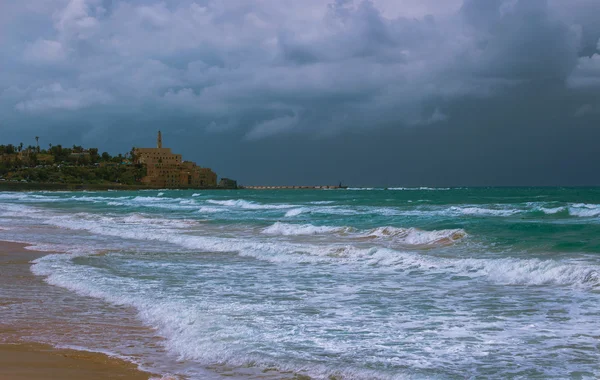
x=396 y=283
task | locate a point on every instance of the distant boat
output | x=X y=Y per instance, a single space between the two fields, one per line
x=340 y=186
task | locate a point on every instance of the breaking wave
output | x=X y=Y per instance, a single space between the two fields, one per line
x=584 y=210
x=483 y=211
x=189 y=202
x=552 y=210
x=209 y=210
x=285 y=229
x=406 y=236
x=294 y=212
x=414 y=236
x=510 y=271
x=247 y=205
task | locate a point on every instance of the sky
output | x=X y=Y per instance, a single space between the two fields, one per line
x=312 y=92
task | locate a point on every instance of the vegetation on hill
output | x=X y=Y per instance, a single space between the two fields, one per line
x=75 y=165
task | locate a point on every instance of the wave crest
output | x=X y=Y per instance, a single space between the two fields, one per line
x=584 y=210
x=405 y=236
x=285 y=229
x=415 y=236
x=244 y=204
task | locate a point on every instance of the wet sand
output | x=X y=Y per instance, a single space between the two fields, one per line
x=37 y=361
x=25 y=360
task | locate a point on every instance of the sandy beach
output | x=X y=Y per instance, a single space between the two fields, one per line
x=26 y=360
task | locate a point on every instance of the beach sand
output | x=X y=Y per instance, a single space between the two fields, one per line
x=25 y=360
x=37 y=361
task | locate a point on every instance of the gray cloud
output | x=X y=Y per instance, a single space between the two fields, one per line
x=587 y=73
x=586 y=109
x=271 y=69
x=55 y=97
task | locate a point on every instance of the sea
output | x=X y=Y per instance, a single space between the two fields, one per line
x=357 y=283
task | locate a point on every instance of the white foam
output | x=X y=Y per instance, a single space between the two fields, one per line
x=552 y=210
x=584 y=210
x=17 y=210
x=403 y=236
x=28 y=197
x=512 y=271
x=162 y=203
x=247 y=205
x=483 y=211
x=285 y=229
x=116 y=204
x=91 y=199
x=187 y=202
x=506 y=271
x=196 y=195
x=294 y=212
x=333 y=210
x=140 y=219
x=195 y=330
x=210 y=210
x=13 y=196
x=414 y=236
x=140 y=199
x=217 y=332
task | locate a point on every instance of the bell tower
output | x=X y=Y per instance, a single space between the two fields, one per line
x=159 y=140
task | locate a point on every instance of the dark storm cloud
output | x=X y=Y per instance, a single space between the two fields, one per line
x=251 y=76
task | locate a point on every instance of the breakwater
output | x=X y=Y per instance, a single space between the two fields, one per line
x=292 y=187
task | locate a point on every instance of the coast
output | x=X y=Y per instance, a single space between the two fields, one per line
x=21 y=359
x=39 y=186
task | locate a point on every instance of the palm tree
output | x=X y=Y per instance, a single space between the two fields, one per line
x=133 y=155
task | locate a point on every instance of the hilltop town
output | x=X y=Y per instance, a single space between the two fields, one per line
x=78 y=167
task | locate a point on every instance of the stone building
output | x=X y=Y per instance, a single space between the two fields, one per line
x=166 y=169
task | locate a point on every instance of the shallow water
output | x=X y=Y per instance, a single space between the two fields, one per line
x=397 y=283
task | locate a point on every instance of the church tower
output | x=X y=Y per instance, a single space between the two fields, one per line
x=159 y=140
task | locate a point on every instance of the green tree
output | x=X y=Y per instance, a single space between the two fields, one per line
x=94 y=157
x=118 y=159
x=133 y=155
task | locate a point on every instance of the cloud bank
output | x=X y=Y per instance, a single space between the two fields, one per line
x=262 y=69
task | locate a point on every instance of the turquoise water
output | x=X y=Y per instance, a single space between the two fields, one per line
x=357 y=283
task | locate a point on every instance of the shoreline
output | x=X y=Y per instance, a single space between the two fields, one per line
x=24 y=356
x=38 y=186
x=21 y=359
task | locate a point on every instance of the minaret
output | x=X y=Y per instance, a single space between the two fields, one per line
x=159 y=140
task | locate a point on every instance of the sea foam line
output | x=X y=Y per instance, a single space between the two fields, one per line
x=507 y=271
